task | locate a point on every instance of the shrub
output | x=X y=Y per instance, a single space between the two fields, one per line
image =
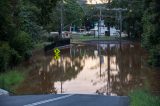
x=143 y=98
x=4 y=56
x=22 y=44
x=15 y=58
x=8 y=56
x=11 y=79
x=154 y=58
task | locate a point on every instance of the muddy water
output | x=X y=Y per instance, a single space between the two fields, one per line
x=108 y=69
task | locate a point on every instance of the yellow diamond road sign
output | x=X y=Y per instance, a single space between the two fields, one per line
x=57 y=51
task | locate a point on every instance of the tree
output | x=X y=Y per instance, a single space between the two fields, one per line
x=10 y=54
x=45 y=7
x=7 y=26
x=72 y=13
x=151 y=26
x=29 y=14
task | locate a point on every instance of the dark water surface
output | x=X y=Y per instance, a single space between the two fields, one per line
x=109 y=69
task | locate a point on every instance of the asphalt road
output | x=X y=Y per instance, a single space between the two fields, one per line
x=64 y=100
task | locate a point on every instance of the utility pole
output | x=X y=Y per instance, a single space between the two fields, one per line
x=61 y=19
x=99 y=23
x=100 y=19
x=120 y=10
x=120 y=19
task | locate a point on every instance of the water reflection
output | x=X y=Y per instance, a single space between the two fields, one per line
x=108 y=69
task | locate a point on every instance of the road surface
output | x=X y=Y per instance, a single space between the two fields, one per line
x=64 y=100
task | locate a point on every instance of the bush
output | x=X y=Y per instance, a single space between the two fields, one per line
x=8 y=56
x=4 y=56
x=15 y=58
x=50 y=39
x=22 y=44
x=154 y=58
x=11 y=79
x=143 y=98
x=19 y=49
x=151 y=26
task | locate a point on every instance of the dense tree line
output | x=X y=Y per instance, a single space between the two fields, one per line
x=151 y=33
x=21 y=23
x=72 y=12
x=142 y=21
x=24 y=22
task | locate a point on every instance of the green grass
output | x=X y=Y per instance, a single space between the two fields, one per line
x=143 y=98
x=81 y=38
x=11 y=79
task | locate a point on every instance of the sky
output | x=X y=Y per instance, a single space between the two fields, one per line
x=96 y=1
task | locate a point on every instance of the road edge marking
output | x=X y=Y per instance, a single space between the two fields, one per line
x=48 y=100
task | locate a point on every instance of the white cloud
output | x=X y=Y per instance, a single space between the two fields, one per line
x=96 y=1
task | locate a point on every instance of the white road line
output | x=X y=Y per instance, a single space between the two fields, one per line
x=49 y=100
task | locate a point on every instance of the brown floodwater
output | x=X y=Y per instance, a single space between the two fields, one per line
x=95 y=68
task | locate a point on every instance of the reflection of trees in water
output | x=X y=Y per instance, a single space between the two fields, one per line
x=45 y=71
x=83 y=51
x=128 y=76
x=129 y=62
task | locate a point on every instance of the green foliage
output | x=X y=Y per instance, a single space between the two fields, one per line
x=151 y=26
x=7 y=26
x=4 y=56
x=11 y=79
x=142 y=19
x=21 y=24
x=72 y=13
x=13 y=53
x=154 y=58
x=8 y=56
x=29 y=20
x=37 y=17
x=15 y=58
x=143 y=98
x=22 y=43
x=45 y=7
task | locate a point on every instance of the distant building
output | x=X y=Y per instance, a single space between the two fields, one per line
x=101 y=30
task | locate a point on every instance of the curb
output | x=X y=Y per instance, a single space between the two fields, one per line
x=4 y=92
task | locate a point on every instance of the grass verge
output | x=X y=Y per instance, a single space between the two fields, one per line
x=11 y=79
x=82 y=38
x=143 y=98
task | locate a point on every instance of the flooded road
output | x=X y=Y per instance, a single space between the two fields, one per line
x=108 y=69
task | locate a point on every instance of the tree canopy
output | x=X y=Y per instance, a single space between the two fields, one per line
x=21 y=23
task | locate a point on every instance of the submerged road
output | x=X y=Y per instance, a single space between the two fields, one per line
x=64 y=100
